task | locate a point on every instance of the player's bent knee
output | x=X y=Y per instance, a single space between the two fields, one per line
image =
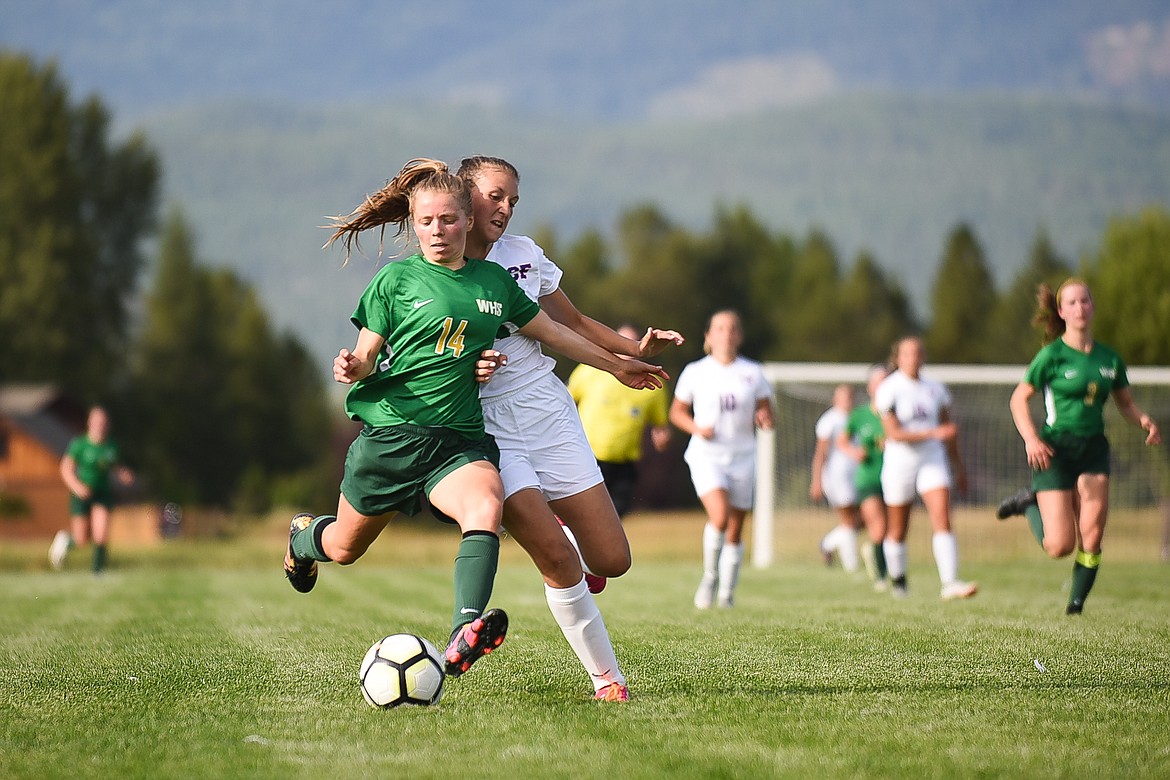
x=1058 y=548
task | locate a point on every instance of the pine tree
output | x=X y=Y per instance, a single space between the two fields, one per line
x=74 y=208
x=963 y=300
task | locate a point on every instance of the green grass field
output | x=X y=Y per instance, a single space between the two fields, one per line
x=198 y=660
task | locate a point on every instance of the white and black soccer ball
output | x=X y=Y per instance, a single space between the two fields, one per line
x=401 y=669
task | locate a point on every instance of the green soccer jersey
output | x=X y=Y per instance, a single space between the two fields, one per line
x=436 y=322
x=93 y=461
x=1075 y=386
x=864 y=428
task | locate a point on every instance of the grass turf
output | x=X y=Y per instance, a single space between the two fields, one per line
x=198 y=660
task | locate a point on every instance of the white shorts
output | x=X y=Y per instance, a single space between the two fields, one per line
x=838 y=487
x=910 y=470
x=542 y=444
x=736 y=475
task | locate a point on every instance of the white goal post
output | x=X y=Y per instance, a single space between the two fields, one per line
x=991 y=447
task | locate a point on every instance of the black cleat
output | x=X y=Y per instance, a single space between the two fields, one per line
x=1074 y=608
x=302 y=574
x=1016 y=503
x=472 y=641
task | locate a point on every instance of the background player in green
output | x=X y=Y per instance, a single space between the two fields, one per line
x=423 y=323
x=91 y=461
x=862 y=440
x=1069 y=456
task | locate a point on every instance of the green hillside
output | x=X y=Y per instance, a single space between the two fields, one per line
x=889 y=173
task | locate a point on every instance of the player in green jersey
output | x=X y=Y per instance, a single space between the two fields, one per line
x=90 y=465
x=423 y=323
x=1069 y=455
x=863 y=440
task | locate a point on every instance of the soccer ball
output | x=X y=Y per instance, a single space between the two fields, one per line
x=401 y=669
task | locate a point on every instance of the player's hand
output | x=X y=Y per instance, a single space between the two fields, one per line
x=660 y=437
x=347 y=367
x=815 y=492
x=1038 y=452
x=489 y=361
x=655 y=340
x=763 y=418
x=706 y=433
x=641 y=376
x=1153 y=435
x=946 y=431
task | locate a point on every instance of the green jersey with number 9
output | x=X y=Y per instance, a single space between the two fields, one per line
x=1075 y=386
x=436 y=321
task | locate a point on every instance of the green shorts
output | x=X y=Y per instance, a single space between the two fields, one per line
x=79 y=507
x=1072 y=456
x=868 y=489
x=387 y=468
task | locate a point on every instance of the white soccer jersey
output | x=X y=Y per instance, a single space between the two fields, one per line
x=723 y=397
x=828 y=427
x=537 y=276
x=839 y=468
x=916 y=403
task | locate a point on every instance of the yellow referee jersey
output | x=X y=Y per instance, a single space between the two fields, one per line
x=613 y=415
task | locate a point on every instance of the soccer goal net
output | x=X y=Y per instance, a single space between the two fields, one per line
x=786 y=523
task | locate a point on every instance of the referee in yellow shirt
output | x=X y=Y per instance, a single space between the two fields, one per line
x=614 y=417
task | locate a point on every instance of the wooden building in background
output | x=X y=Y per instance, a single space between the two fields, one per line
x=36 y=424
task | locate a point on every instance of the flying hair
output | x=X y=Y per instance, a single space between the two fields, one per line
x=391 y=205
x=1047 y=315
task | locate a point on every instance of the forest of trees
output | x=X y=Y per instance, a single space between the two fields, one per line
x=798 y=304
x=216 y=407
x=211 y=405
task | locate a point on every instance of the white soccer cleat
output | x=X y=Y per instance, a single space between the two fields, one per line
x=705 y=595
x=958 y=590
x=58 y=549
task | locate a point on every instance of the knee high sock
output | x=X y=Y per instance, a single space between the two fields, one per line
x=1035 y=522
x=306 y=543
x=946 y=556
x=847 y=548
x=99 y=557
x=475 y=573
x=729 y=561
x=879 y=561
x=580 y=620
x=895 y=553
x=712 y=548
x=1084 y=575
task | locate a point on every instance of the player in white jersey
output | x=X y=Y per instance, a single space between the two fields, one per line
x=832 y=481
x=915 y=413
x=720 y=400
x=546 y=463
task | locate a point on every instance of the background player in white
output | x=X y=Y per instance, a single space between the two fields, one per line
x=915 y=414
x=832 y=480
x=720 y=400
x=546 y=463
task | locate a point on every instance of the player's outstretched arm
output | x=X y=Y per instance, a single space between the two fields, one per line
x=558 y=306
x=632 y=373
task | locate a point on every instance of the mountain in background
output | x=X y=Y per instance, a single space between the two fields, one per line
x=593 y=58
x=882 y=124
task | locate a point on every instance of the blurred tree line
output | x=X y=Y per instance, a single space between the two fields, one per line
x=211 y=405
x=798 y=303
x=216 y=407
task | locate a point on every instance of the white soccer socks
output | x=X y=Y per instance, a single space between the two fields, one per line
x=946 y=556
x=580 y=620
x=895 y=558
x=729 y=562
